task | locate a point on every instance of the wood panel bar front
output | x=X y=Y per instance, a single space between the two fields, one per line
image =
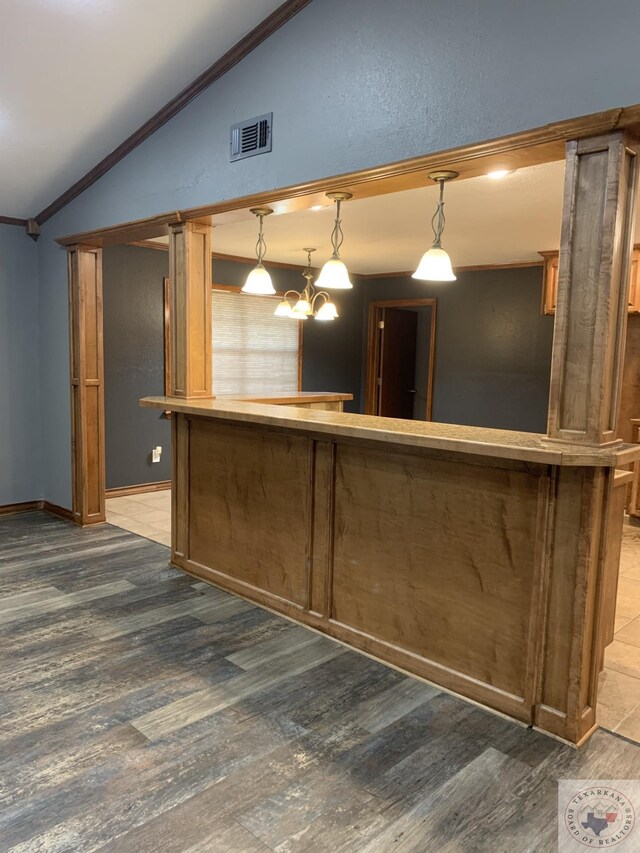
x=358 y=535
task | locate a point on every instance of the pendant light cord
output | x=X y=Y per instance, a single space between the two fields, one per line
x=439 y=216
x=261 y=246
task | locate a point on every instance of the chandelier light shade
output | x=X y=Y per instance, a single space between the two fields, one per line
x=301 y=306
x=259 y=281
x=334 y=274
x=327 y=311
x=435 y=264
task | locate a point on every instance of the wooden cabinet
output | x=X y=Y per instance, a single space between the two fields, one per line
x=550 y=282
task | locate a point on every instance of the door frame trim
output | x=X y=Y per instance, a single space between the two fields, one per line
x=373 y=347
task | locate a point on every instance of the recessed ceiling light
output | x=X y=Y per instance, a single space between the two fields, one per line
x=498 y=174
x=317 y=207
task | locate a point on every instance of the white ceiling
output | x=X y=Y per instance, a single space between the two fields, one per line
x=79 y=76
x=488 y=222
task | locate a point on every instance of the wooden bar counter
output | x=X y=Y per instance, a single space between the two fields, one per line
x=478 y=559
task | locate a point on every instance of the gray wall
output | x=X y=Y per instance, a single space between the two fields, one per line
x=134 y=355
x=134 y=364
x=20 y=425
x=352 y=84
x=493 y=346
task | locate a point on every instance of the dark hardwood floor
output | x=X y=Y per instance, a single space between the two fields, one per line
x=143 y=711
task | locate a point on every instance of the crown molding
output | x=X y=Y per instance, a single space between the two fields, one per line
x=13 y=220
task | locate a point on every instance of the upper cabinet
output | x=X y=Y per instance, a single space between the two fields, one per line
x=550 y=282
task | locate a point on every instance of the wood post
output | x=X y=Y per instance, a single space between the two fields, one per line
x=593 y=280
x=190 y=274
x=87 y=384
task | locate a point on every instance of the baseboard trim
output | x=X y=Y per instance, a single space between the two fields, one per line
x=60 y=511
x=138 y=490
x=33 y=506
x=25 y=506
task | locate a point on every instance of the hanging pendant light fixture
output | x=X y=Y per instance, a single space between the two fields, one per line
x=436 y=264
x=300 y=306
x=334 y=273
x=259 y=281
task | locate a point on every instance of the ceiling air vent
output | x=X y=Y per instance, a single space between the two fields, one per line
x=251 y=137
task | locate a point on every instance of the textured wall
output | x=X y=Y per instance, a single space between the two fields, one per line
x=493 y=346
x=134 y=365
x=20 y=425
x=352 y=83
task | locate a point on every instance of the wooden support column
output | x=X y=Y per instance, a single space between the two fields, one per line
x=190 y=274
x=87 y=384
x=584 y=402
x=593 y=283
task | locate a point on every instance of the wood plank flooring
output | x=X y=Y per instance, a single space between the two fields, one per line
x=141 y=710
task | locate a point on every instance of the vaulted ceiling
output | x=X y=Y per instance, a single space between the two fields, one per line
x=77 y=77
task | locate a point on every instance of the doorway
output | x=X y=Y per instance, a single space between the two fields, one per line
x=400 y=358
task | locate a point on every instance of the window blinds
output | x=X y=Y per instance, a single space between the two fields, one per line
x=253 y=351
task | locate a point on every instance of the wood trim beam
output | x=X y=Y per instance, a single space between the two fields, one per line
x=472 y=268
x=231 y=58
x=218 y=256
x=531 y=147
x=593 y=289
x=87 y=384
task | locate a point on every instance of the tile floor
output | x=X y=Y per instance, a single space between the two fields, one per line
x=149 y=515
x=619 y=693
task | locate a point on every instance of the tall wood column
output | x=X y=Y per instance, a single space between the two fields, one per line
x=593 y=280
x=584 y=401
x=87 y=384
x=190 y=274
x=191 y=370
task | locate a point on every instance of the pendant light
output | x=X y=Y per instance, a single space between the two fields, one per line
x=300 y=306
x=334 y=273
x=259 y=281
x=436 y=264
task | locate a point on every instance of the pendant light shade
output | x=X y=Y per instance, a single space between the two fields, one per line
x=283 y=309
x=334 y=274
x=301 y=306
x=327 y=312
x=259 y=281
x=435 y=264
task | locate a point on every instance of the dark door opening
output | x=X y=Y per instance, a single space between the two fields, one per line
x=401 y=358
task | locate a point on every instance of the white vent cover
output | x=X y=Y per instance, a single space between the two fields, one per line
x=251 y=137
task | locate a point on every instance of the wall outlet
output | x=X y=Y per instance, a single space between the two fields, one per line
x=156 y=453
